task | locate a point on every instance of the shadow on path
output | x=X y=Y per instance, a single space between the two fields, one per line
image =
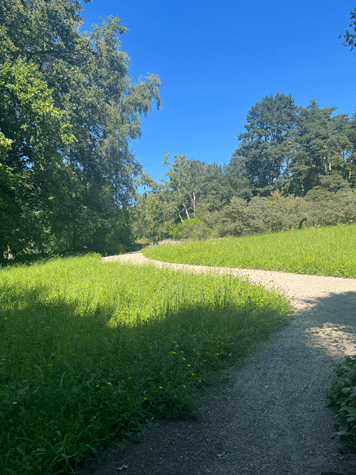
x=269 y=416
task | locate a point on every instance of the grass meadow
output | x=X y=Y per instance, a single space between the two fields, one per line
x=326 y=251
x=89 y=351
x=321 y=251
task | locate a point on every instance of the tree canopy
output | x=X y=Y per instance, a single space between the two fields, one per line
x=348 y=36
x=68 y=111
x=286 y=149
x=293 y=149
x=267 y=144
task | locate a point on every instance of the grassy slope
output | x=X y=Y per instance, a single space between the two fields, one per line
x=90 y=350
x=321 y=251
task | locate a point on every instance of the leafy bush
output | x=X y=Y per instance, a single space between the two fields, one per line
x=342 y=393
x=278 y=213
x=336 y=208
x=193 y=228
x=259 y=215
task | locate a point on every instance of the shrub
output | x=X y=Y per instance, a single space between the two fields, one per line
x=193 y=228
x=342 y=393
x=278 y=213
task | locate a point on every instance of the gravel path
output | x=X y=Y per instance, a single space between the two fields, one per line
x=270 y=415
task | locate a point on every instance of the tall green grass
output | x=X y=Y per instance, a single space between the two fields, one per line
x=320 y=251
x=89 y=351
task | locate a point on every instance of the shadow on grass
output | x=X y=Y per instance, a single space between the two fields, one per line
x=327 y=334
x=71 y=384
x=25 y=260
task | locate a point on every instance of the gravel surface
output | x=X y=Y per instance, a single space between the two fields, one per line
x=269 y=416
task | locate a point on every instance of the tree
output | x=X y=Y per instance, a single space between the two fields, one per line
x=155 y=213
x=349 y=155
x=350 y=37
x=215 y=190
x=184 y=180
x=267 y=146
x=32 y=129
x=321 y=148
x=91 y=115
x=236 y=174
x=197 y=185
x=193 y=190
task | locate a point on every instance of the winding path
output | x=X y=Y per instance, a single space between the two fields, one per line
x=270 y=415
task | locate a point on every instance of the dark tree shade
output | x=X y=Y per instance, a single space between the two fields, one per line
x=68 y=111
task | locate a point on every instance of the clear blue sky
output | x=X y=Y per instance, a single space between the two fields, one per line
x=217 y=59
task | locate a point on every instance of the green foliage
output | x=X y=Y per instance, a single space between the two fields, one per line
x=176 y=230
x=266 y=146
x=92 y=350
x=342 y=393
x=260 y=215
x=111 y=236
x=332 y=209
x=236 y=173
x=5 y=146
x=350 y=37
x=154 y=214
x=322 y=151
x=194 y=188
x=281 y=213
x=68 y=111
x=215 y=188
x=185 y=178
x=193 y=228
x=297 y=152
x=293 y=150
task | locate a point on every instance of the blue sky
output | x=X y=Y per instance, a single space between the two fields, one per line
x=216 y=60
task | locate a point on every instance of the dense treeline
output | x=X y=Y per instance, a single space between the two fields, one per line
x=68 y=110
x=293 y=167
x=295 y=152
x=68 y=181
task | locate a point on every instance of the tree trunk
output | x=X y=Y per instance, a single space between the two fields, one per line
x=186 y=211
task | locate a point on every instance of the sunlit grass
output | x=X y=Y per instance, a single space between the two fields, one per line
x=89 y=351
x=320 y=251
